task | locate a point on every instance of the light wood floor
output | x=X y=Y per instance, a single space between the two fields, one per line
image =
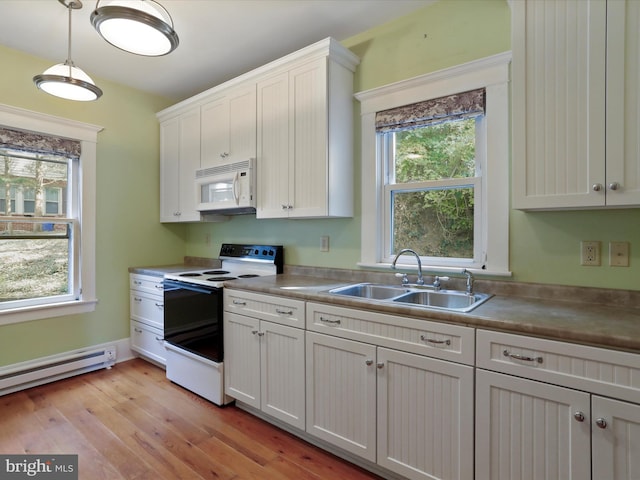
x=130 y=422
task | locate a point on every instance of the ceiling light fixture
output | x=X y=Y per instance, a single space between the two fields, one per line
x=143 y=27
x=65 y=80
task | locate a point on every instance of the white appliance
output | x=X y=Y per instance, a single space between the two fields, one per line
x=193 y=316
x=227 y=189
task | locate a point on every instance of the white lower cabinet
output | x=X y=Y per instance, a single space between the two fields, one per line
x=409 y=413
x=533 y=429
x=146 y=314
x=264 y=360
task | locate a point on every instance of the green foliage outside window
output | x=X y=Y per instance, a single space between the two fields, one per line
x=435 y=222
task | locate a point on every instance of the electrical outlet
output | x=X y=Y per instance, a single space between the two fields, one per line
x=324 y=243
x=619 y=254
x=590 y=253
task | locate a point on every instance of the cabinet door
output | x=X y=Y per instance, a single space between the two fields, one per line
x=169 y=170
x=282 y=373
x=623 y=103
x=341 y=390
x=242 y=123
x=189 y=163
x=214 y=130
x=616 y=443
x=179 y=159
x=308 y=97
x=273 y=147
x=242 y=358
x=425 y=416
x=558 y=103
x=527 y=430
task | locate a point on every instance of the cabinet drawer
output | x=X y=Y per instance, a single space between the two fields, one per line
x=148 y=341
x=593 y=369
x=265 y=307
x=146 y=283
x=147 y=309
x=434 y=339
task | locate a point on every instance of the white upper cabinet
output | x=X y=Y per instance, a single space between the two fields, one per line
x=179 y=159
x=305 y=135
x=228 y=128
x=575 y=109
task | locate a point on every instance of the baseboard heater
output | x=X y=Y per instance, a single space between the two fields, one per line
x=31 y=373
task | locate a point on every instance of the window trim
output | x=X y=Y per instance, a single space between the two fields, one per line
x=492 y=73
x=87 y=134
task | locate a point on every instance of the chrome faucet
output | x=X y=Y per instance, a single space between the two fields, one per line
x=408 y=250
x=469 y=281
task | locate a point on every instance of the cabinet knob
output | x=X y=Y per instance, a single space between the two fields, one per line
x=614 y=186
x=579 y=416
x=380 y=365
x=597 y=187
x=368 y=362
x=601 y=422
x=254 y=332
x=224 y=155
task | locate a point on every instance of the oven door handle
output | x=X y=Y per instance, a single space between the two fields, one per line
x=173 y=284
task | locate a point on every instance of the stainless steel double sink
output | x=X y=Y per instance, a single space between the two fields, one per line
x=452 y=300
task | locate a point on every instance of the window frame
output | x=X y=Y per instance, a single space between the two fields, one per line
x=490 y=73
x=84 y=258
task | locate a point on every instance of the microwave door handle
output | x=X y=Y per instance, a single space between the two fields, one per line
x=235 y=188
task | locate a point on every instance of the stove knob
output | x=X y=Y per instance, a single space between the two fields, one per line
x=264 y=252
x=271 y=253
x=256 y=252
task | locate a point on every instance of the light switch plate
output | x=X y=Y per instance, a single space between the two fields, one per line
x=619 y=254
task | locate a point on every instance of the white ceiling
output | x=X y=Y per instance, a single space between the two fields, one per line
x=219 y=39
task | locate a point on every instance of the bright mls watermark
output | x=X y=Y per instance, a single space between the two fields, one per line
x=50 y=467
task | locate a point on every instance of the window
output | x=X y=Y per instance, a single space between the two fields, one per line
x=47 y=216
x=33 y=248
x=435 y=169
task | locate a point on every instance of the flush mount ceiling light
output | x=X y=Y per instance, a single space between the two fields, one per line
x=143 y=27
x=65 y=80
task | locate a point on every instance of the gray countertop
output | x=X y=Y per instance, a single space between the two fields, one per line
x=573 y=321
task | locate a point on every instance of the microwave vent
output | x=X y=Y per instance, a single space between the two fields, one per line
x=226 y=168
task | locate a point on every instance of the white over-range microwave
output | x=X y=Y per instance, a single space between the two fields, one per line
x=228 y=189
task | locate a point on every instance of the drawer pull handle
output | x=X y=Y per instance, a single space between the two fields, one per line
x=524 y=358
x=159 y=305
x=159 y=286
x=434 y=341
x=284 y=312
x=601 y=422
x=239 y=302
x=137 y=299
x=330 y=321
x=579 y=416
x=159 y=339
x=137 y=282
x=137 y=330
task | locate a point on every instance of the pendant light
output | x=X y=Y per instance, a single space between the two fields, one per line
x=65 y=80
x=143 y=27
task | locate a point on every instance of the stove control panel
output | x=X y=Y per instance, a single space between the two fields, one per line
x=263 y=253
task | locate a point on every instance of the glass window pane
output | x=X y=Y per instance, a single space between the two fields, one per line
x=434 y=223
x=34 y=268
x=445 y=150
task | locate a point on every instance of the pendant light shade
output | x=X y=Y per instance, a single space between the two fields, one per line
x=65 y=80
x=142 y=27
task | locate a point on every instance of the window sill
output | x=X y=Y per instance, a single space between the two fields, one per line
x=430 y=269
x=39 y=312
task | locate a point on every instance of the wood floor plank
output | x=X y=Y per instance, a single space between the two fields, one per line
x=131 y=423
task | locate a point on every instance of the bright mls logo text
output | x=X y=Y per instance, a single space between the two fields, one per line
x=51 y=467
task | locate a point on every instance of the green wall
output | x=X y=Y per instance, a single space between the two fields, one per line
x=128 y=232
x=544 y=246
